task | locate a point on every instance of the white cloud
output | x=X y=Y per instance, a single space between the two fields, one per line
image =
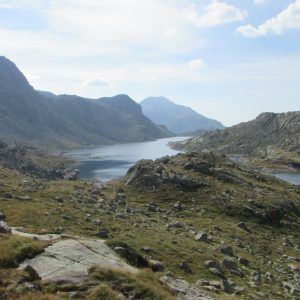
x=87 y=28
x=121 y=24
x=195 y=64
x=216 y=13
x=287 y=19
x=20 y=4
x=31 y=77
x=122 y=35
x=259 y=2
x=80 y=28
x=186 y=70
x=95 y=82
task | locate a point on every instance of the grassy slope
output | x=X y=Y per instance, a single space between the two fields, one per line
x=202 y=210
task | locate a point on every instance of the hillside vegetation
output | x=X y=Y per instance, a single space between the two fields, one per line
x=199 y=223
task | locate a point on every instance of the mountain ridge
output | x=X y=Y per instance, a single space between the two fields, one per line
x=67 y=121
x=177 y=118
x=271 y=137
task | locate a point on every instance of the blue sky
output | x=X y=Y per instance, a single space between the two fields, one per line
x=227 y=59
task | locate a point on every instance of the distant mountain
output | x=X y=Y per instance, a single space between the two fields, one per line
x=44 y=119
x=270 y=138
x=177 y=118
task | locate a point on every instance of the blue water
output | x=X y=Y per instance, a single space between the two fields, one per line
x=293 y=178
x=113 y=161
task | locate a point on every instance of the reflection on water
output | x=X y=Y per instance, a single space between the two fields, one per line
x=108 y=162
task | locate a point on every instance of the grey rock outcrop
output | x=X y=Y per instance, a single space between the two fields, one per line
x=185 y=291
x=69 y=260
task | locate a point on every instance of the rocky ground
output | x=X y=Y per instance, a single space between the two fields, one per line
x=268 y=143
x=193 y=226
x=34 y=162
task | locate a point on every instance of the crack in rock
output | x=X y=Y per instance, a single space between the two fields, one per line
x=69 y=260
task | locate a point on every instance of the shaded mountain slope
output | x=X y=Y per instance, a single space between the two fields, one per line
x=42 y=118
x=177 y=118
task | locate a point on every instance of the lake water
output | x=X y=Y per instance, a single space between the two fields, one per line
x=293 y=178
x=113 y=161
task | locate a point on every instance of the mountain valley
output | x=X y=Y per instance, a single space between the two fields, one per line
x=46 y=120
x=201 y=224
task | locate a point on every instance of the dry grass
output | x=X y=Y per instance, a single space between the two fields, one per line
x=143 y=285
x=14 y=249
x=32 y=296
x=103 y=292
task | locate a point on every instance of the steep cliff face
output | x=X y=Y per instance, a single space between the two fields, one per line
x=44 y=119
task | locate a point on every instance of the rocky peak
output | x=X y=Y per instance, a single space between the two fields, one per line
x=122 y=103
x=11 y=78
x=278 y=131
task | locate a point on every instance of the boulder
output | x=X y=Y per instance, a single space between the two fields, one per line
x=176 y=224
x=2 y=216
x=271 y=214
x=96 y=192
x=217 y=272
x=4 y=228
x=150 y=174
x=103 y=234
x=59 y=230
x=204 y=168
x=185 y=182
x=229 y=263
x=72 y=175
x=228 y=177
x=156 y=266
x=243 y=261
x=147 y=249
x=202 y=282
x=226 y=286
x=6 y=195
x=32 y=273
x=177 y=206
x=120 y=199
x=184 y=290
x=287 y=243
x=201 y=236
x=152 y=208
x=213 y=264
x=185 y=267
x=130 y=255
x=243 y=226
x=97 y=222
x=23 y=198
x=226 y=249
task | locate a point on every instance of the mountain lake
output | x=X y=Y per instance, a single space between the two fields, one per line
x=113 y=161
x=293 y=178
